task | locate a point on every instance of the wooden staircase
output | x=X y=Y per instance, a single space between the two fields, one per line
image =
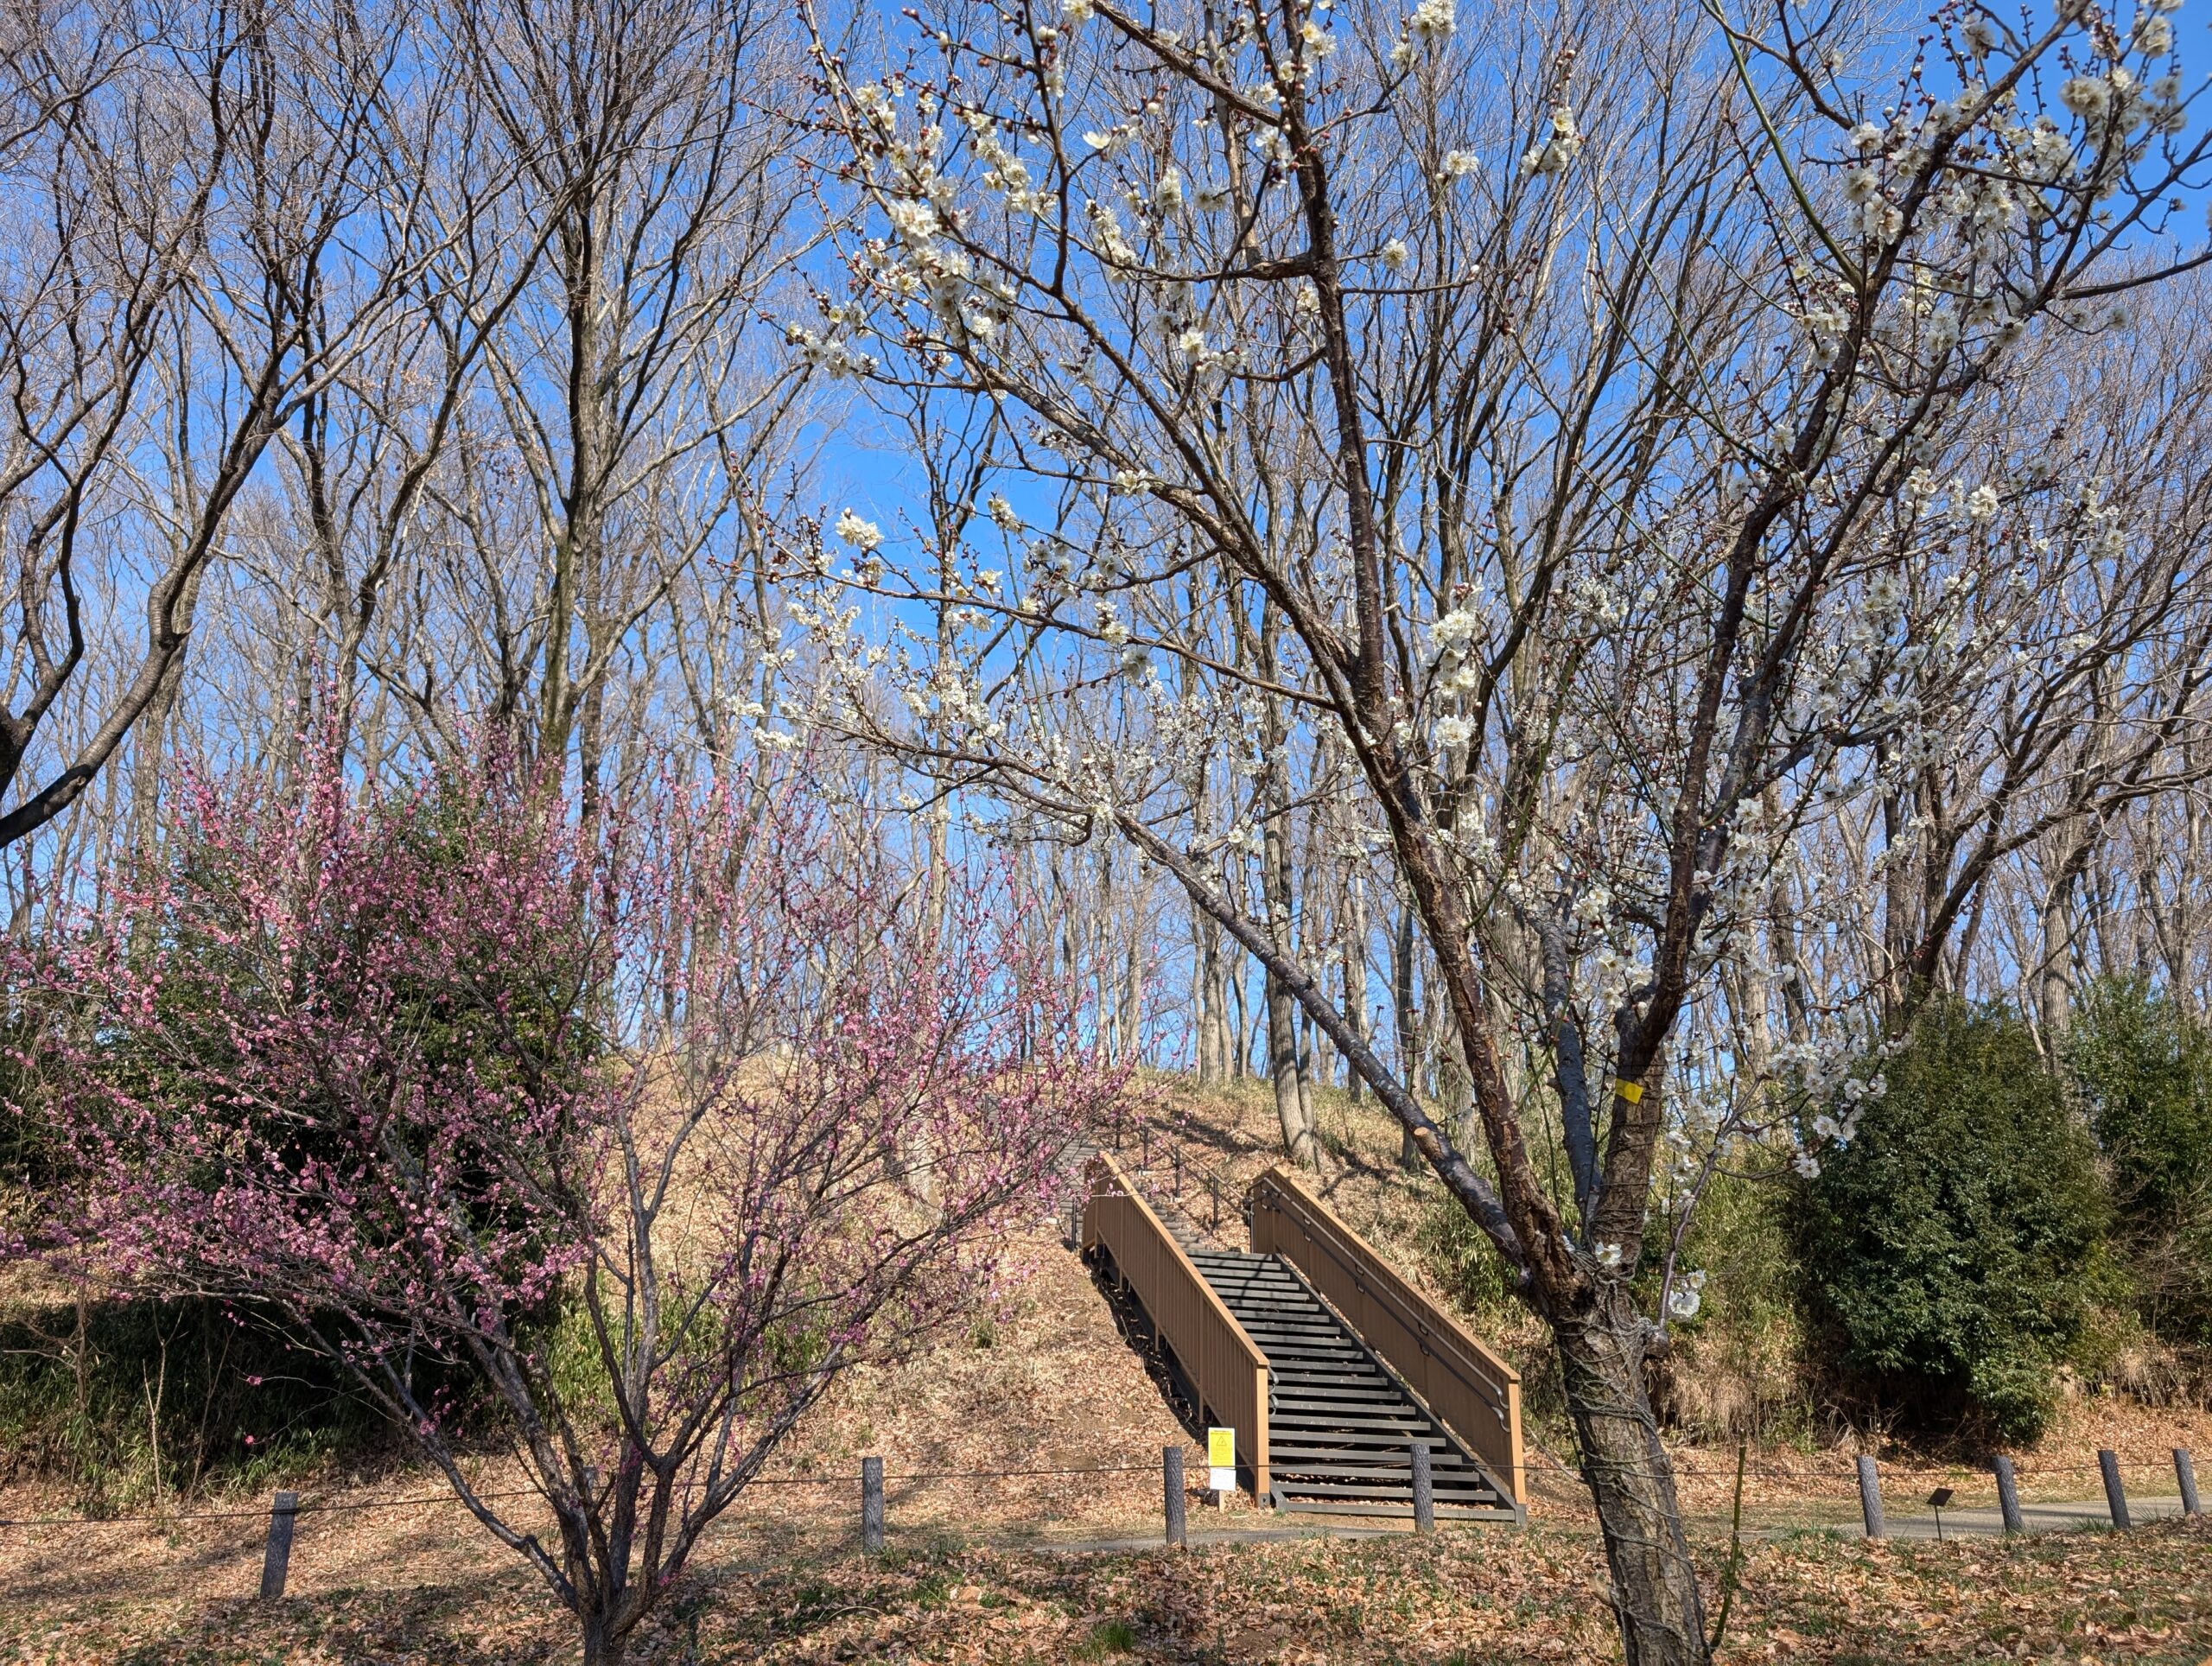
x=1340 y=1423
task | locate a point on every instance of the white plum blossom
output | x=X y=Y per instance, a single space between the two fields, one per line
x=914 y=220
x=1456 y=628
x=1168 y=196
x=1943 y=329
x=1453 y=731
x=1114 y=247
x=1687 y=1296
x=1002 y=513
x=1395 y=254
x=1433 y=20
x=1608 y=1256
x=1981 y=504
x=862 y=535
x=1458 y=164
x=2086 y=96
x=1553 y=155
x=1191 y=343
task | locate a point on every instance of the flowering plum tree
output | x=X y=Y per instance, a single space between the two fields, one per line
x=616 y=1121
x=1624 y=425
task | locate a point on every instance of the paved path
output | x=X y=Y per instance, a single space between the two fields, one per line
x=1957 y=1523
x=2039 y=1518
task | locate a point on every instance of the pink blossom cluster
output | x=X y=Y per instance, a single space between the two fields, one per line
x=646 y=1122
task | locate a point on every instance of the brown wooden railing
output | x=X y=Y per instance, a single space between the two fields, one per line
x=1470 y=1389
x=1223 y=1366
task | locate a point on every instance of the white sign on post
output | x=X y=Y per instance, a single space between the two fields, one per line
x=1221 y=1458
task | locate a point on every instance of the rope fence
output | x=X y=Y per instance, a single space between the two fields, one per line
x=288 y=1507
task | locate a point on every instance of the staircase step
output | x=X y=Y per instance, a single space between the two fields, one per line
x=1389 y=1510
x=1303 y=1488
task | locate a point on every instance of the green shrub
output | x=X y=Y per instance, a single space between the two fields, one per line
x=1951 y=1250
x=141 y=1401
x=2143 y=1069
x=1734 y=1371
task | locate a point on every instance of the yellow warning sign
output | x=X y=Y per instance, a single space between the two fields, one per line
x=1221 y=1463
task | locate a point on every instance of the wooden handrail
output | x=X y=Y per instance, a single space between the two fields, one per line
x=1471 y=1391
x=1223 y=1364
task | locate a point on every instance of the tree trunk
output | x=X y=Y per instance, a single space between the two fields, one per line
x=1406 y=1016
x=601 y=1647
x=1655 y=1584
x=1240 y=1029
x=2055 y=993
x=1294 y=1111
x=1352 y=946
x=1213 y=1038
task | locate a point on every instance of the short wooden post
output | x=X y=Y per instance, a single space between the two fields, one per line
x=276 y=1560
x=1424 y=1490
x=2116 y=1495
x=1170 y=1478
x=1177 y=1161
x=2185 y=1472
x=872 y=1505
x=1213 y=1185
x=1870 y=1498
x=2008 y=1494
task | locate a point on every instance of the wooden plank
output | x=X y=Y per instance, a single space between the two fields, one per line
x=1470 y=1389
x=1227 y=1368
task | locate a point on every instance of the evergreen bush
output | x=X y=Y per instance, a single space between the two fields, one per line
x=2143 y=1069
x=1951 y=1251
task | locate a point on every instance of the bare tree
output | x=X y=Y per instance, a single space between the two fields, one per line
x=192 y=194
